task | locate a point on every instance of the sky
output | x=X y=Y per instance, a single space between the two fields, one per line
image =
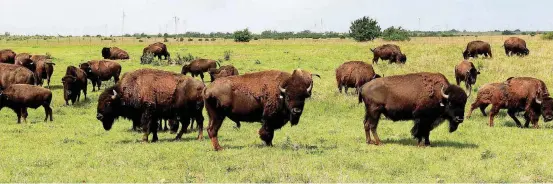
x=105 y=17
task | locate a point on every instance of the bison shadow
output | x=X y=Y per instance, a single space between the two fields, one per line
x=434 y=143
x=161 y=140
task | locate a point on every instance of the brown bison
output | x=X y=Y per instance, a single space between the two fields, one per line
x=353 y=74
x=19 y=97
x=491 y=93
x=7 y=56
x=101 y=70
x=389 y=52
x=270 y=97
x=199 y=66
x=24 y=59
x=146 y=96
x=476 y=48
x=14 y=74
x=74 y=82
x=523 y=94
x=223 y=71
x=44 y=68
x=426 y=98
x=514 y=45
x=158 y=49
x=466 y=72
x=114 y=53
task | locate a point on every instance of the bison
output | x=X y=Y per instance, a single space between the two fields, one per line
x=146 y=96
x=223 y=71
x=426 y=98
x=44 y=68
x=514 y=45
x=158 y=49
x=466 y=72
x=389 y=52
x=199 y=66
x=114 y=53
x=7 y=56
x=19 y=97
x=476 y=48
x=522 y=94
x=270 y=97
x=73 y=82
x=101 y=70
x=14 y=74
x=491 y=93
x=353 y=74
x=24 y=59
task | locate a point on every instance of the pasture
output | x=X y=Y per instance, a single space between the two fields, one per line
x=328 y=145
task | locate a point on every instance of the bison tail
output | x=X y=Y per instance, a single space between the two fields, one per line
x=360 y=97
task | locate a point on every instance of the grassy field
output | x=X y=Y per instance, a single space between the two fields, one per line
x=327 y=146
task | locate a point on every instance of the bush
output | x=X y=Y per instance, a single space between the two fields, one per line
x=342 y=37
x=140 y=41
x=227 y=55
x=189 y=58
x=395 y=34
x=147 y=58
x=181 y=39
x=190 y=39
x=255 y=38
x=547 y=36
x=212 y=39
x=200 y=39
x=507 y=32
x=206 y=39
x=364 y=29
x=165 y=40
x=242 y=35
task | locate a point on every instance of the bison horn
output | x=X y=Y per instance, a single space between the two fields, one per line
x=282 y=90
x=316 y=75
x=443 y=92
x=114 y=94
x=310 y=87
x=538 y=101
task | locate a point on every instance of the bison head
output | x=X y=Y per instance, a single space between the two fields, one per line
x=108 y=106
x=402 y=58
x=86 y=68
x=546 y=108
x=106 y=53
x=294 y=91
x=472 y=74
x=525 y=52
x=185 y=69
x=68 y=82
x=466 y=54
x=454 y=100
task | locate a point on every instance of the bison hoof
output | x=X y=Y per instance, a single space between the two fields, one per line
x=218 y=148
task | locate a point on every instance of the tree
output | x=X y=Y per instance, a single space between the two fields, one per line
x=395 y=34
x=242 y=35
x=364 y=29
x=507 y=32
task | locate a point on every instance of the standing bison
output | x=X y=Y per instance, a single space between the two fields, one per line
x=101 y=70
x=476 y=48
x=158 y=49
x=426 y=98
x=514 y=45
x=353 y=74
x=223 y=71
x=74 y=82
x=492 y=93
x=114 y=53
x=7 y=56
x=523 y=94
x=466 y=72
x=270 y=97
x=14 y=74
x=19 y=97
x=146 y=96
x=24 y=59
x=44 y=68
x=199 y=66
x=389 y=52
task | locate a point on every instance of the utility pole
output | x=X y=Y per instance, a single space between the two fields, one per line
x=176 y=24
x=123 y=24
x=419 y=24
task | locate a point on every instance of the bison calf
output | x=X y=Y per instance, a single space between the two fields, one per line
x=199 y=66
x=19 y=97
x=353 y=74
x=466 y=72
x=223 y=71
x=73 y=82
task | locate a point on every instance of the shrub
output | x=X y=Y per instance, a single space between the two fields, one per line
x=181 y=39
x=189 y=58
x=227 y=55
x=342 y=37
x=242 y=35
x=547 y=36
x=507 y=32
x=140 y=41
x=206 y=39
x=200 y=39
x=147 y=58
x=364 y=29
x=255 y=38
x=212 y=39
x=190 y=39
x=395 y=34
x=165 y=40
x=49 y=56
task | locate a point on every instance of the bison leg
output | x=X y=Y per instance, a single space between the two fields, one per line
x=153 y=127
x=200 y=121
x=507 y=52
x=237 y=124
x=146 y=120
x=99 y=83
x=339 y=87
x=512 y=114
x=24 y=114
x=493 y=112
x=93 y=85
x=375 y=60
x=266 y=134
x=472 y=107
x=483 y=109
x=215 y=123
x=185 y=120
x=372 y=116
x=18 y=112
x=84 y=91
x=527 y=119
x=202 y=76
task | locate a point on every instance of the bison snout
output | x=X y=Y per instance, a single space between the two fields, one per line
x=99 y=116
x=296 y=110
x=458 y=119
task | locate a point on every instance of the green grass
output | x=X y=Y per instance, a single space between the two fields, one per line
x=327 y=145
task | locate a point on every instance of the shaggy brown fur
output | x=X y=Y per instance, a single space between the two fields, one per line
x=223 y=71
x=158 y=49
x=7 y=56
x=101 y=70
x=476 y=48
x=74 y=82
x=353 y=74
x=114 y=53
x=15 y=74
x=199 y=66
x=389 y=52
x=514 y=45
x=19 y=97
x=44 y=68
x=466 y=72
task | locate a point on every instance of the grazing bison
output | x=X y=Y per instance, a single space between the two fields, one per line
x=199 y=66
x=426 y=98
x=44 y=68
x=114 y=53
x=73 y=82
x=24 y=59
x=101 y=70
x=19 y=97
x=491 y=93
x=353 y=74
x=14 y=74
x=270 y=97
x=146 y=96
x=223 y=71
x=514 y=45
x=476 y=48
x=389 y=52
x=466 y=72
x=158 y=49
x=523 y=94
x=7 y=56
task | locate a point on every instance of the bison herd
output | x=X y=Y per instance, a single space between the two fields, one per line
x=274 y=98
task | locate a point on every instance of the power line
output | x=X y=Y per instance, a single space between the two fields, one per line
x=123 y=24
x=176 y=24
